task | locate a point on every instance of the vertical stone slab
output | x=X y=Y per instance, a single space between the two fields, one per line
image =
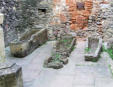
x=1 y=18
x=2 y=45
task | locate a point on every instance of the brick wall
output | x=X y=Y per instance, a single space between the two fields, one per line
x=13 y=18
x=79 y=17
x=77 y=13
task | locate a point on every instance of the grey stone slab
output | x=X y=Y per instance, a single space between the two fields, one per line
x=45 y=78
x=104 y=82
x=96 y=70
x=68 y=69
x=63 y=81
x=53 y=79
x=83 y=78
x=83 y=85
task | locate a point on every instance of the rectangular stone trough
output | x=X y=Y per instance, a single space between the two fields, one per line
x=93 y=49
x=28 y=42
x=60 y=47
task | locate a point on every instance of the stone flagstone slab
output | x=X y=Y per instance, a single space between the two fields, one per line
x=104 y=82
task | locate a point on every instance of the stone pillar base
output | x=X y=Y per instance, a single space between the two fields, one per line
x=10 y=75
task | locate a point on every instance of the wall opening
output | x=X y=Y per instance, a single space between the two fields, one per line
x=80 y=6
x=42 y=10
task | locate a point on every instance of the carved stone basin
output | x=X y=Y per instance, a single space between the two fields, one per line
x=93 y=49
x=28 y=42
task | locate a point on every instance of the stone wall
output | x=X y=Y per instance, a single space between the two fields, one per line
x=79 y=13
x=8 y=7
x=20 y=15
x=74 y=12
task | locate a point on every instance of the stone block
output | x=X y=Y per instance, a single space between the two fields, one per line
x=103 y=82
x=1 y=18
x=10 y=75
x=2 y=45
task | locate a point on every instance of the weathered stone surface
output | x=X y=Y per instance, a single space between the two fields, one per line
x=55 y=65
x=8 y=8
x=93 y=49
x=28 y=42
x=77 y=69
x=108 y=34
x=20 y=16
x=2 y=45
x=61 y=51
x=77 y=13
x=64 y=60
x=110 y=43
x=1 y=18
x=10 y=75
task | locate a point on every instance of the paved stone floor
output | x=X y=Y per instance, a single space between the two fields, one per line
x=77 y=73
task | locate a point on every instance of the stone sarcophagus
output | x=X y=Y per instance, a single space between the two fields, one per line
x=61 y=51
x=28 y=42
x=10 y=75
x=93 y=49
